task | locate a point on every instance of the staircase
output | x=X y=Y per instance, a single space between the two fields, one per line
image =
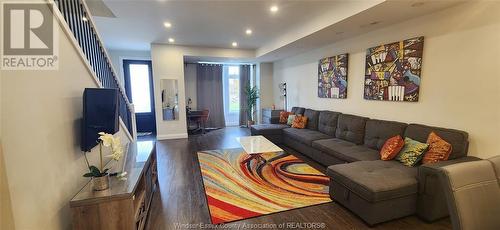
x=78 y=21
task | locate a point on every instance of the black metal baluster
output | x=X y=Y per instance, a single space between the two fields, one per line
x=71 y=16
x=97 y=56
x=81 y=14
x=79 y=23
x=85 y=34
x=64 y=12
x=101 y=65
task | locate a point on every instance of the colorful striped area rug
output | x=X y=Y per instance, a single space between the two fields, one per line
x=238 y=191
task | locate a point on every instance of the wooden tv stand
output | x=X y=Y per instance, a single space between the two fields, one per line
x=125 y=205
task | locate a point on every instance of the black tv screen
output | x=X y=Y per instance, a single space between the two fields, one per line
x=100 y=114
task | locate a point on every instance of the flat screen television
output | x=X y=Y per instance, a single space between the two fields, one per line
x=100 y=114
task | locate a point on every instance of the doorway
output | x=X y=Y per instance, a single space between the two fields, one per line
x=138 y=76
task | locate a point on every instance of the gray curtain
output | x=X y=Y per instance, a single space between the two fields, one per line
x=244 y=82
x=209 y=93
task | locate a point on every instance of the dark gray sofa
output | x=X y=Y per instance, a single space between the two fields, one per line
x=273 y=132
x=348 y=147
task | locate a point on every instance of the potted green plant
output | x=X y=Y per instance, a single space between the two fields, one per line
x=252 y=94
x=99 y=175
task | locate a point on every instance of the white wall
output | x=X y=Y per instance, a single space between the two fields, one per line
x=168 y=63
x=266 y=85
x=6 y=218
x=264 y=81
x=117 y=57
x=190 y=81
x=460 y=81
x=40 y=126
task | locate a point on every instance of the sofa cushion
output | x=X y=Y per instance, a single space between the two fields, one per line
x=439 y=149
x=376 y=180
x=284 y=117
x=312 y=119
x=458 y=139
x=299 y=122
x=327 y=122
x=412 y=152
x=345 y=150
x=291 y=117
x=298 y=110
x=265 y=129
x=305 y=136
x=378 y=131
x=351 y=128
x=391 y=148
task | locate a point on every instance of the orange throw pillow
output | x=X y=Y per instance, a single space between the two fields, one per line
x=284 y=116
x=299 y=122
x=439 y=149
x=391 y=148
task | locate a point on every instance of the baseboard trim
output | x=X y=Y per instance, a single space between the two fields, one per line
x=172 y=136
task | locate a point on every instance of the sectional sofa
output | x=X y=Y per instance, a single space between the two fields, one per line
x=348 y=147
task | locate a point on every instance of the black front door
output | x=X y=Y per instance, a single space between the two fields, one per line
x=139 y=86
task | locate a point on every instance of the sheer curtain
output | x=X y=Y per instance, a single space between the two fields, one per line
x=210 y=93
x=231 y=79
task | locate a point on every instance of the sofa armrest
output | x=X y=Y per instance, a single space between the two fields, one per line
x=431 y=203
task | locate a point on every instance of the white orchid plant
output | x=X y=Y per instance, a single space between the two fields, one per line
x=106 y=140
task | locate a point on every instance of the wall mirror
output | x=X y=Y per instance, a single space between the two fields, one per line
x=170 y=99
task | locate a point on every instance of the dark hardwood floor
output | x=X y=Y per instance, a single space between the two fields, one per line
x=181 y=199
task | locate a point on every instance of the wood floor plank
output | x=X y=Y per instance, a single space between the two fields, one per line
x=181 y=198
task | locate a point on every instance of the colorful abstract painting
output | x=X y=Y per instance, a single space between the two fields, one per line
x=393 y=71
x=237 y=190
x=332 y=77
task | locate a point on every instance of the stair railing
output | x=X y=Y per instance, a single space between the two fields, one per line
x=82 y=27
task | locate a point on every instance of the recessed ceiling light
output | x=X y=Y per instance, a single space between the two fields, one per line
x=171 y=40
x=248 y=31
x=274 y=9
x=167 y=24
x=234 y=44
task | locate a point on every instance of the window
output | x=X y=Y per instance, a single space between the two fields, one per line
x=234 y=88
x=140 y=87
x=231 y=85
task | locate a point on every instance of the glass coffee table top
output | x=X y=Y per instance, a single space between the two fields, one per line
x=257 y=144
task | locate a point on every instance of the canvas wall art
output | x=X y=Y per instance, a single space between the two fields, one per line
x=332 y=77
x=393 y=71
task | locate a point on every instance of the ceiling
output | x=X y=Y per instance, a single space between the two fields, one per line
x=139 y=23
x=296 y=27
x=374 y=18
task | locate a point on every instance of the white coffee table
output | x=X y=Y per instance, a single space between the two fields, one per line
x=254 y=146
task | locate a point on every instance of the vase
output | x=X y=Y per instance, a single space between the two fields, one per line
x=100 y=183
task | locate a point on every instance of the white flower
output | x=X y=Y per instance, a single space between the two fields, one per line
x=106 y=138
x=115 y=143
x=116 y=153
x=121 y=176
